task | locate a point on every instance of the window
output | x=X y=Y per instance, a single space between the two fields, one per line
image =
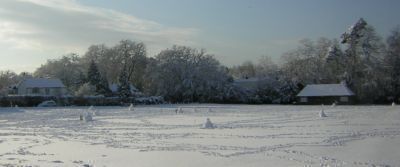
x=47 y=90
x=35 y=90
x=344 y=99
x=57 y=91
x=304 y=100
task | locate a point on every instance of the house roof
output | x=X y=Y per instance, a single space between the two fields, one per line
x=42 y=83
x=325 y=90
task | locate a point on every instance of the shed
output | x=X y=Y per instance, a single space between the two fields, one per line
x=326 y=94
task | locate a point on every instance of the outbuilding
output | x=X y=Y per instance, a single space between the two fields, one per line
x=326 y=94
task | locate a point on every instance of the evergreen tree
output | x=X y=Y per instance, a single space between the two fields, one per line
x=124 y=86
x=104 y=88
x=95 y=79
x=93 y=75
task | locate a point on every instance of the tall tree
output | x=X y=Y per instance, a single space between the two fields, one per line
x=124 y=90
x=364 y=61
x=94 y=78
x=133 y=60
x=111 y=61
x=93 y=75
x=104 y=87
x=392 y=64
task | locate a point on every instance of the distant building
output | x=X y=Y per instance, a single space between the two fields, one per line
x=326 y=94
x=40 y=87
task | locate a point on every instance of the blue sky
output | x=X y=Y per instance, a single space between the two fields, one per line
x=33 y=31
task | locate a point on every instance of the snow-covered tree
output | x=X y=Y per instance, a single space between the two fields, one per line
x=111 y=61
x=268 y=90
x=392 y=65
x=306 y=64
x=246 y=70
x=7 y=79
x=265 y=67
x=186 y=74
x=103 y=56
x=133 y=60
x=335 y=64
x=86 y=90
x=235 y=94
x=68 y=69
x=288 y=90
x=364 y=61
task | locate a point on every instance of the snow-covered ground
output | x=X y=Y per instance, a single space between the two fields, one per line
x=242 y=135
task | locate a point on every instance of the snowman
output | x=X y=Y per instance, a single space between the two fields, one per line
x=208 y=124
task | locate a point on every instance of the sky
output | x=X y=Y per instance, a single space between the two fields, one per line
x=33 y=31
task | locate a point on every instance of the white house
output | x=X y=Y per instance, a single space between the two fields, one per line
x=326 y=93
x=41 y=87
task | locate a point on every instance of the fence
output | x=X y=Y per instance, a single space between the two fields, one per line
x=32 y=101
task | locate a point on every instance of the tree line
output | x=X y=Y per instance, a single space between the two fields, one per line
x=360 y=58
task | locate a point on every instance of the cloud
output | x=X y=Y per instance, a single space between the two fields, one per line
x=69 y=26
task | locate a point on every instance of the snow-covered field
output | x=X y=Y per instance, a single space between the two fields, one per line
x=245 y=135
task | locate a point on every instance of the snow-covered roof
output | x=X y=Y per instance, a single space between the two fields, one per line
x=326 y=90
x=42 y=83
